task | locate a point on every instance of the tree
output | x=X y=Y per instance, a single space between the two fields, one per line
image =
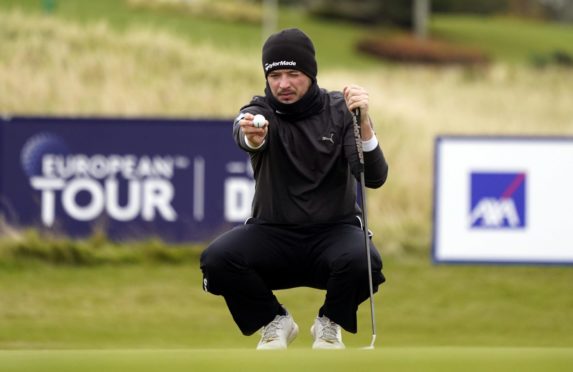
x=421 y=15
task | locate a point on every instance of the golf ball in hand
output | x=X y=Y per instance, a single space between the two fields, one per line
x=259 y=121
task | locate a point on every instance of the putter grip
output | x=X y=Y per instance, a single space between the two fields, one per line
x=358 y=135
x=356 y=113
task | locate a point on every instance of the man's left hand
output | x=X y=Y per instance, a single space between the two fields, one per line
x=357 y=97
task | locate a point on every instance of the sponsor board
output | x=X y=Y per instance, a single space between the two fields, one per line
x=179 y=180
x=503 y=200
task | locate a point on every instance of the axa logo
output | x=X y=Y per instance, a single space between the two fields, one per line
x=498 y=200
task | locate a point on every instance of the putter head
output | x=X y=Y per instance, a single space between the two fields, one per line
x=371 y=347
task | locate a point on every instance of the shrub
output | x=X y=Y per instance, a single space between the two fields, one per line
x=97 y=250
x=471 y=6
x=559 y=58
x=411 y=50
x=394 y=12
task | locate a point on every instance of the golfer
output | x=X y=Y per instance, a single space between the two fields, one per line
x=305 y=228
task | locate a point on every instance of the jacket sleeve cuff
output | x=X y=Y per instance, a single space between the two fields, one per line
x=252 y=146
x=370 y=144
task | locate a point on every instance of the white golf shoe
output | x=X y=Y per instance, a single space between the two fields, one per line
x=326 y=334
x=278 y=334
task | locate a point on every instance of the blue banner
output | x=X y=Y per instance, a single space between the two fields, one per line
x=179 y=180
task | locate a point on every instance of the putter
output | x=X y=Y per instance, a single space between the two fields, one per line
x=357 y=135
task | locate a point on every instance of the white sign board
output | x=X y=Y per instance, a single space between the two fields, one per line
x=503 y=200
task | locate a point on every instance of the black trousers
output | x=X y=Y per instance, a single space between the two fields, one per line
x=248 y=262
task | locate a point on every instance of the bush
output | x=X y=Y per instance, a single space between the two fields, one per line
x=558 y=58
x=394 y=12
x=470 y=6
x=30 y=246
x=411 y=50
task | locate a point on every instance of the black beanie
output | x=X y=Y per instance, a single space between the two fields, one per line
x=290 y=49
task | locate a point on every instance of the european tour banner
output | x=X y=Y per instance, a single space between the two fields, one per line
x=179 y=180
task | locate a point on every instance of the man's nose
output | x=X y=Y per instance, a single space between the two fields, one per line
x=284 y=82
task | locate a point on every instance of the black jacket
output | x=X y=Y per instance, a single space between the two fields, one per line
x=302 y=170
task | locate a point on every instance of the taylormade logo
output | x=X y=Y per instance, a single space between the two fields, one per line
x=268 y=66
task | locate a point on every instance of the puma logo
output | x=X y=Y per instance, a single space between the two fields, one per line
x=329 y=139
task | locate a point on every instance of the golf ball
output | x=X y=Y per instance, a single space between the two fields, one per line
x=259 y=121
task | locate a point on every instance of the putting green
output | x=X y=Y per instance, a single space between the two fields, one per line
x=393 y=359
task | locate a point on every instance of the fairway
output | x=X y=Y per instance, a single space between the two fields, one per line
x=382 y=359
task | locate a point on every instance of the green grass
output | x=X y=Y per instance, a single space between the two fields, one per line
x=163 y=306
x=119 y=15
x=381 y=359
x=336 y=40
x=145 y=63
x=507 y=39
x=504 y=39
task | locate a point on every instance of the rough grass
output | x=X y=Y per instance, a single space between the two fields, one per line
x=49 y=66
x=222 y=10
x=73 y=69
x=235 y=38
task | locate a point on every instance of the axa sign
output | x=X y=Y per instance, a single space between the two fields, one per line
x=498 y=200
